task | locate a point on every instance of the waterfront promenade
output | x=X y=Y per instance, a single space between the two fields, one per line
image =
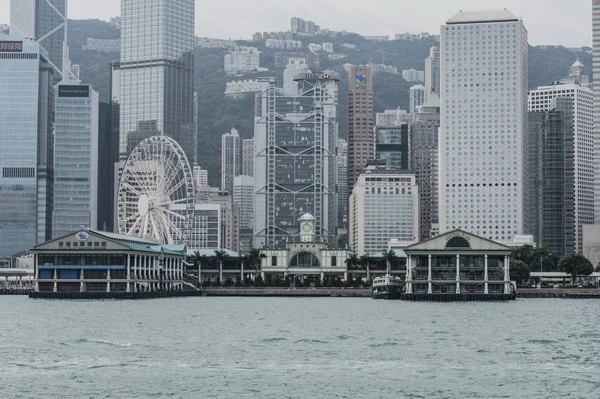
x=567 y=293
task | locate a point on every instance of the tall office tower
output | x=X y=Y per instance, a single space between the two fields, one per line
x=44 y=21
x=432 y=71
x=384 y=205
x=116 y=163
x=196 y=129
x=105 y=169
x=342 y=182
x=243 y=197
x=550 y=213
x=75 y=159
x=157 y=72
x=294 y=67
x=230 y=160
x=424 y=163
x=596 y=84
x=248 y=157
x=295 y=167
x=540 y=100
x=483 y=124
x=392 y=145
x=26 y=145
x=360 y=121
x=418 y=96
x=229 y=218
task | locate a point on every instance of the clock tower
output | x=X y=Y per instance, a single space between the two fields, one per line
x=307 y=228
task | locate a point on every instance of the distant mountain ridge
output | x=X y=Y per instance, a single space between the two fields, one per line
x=219 y=113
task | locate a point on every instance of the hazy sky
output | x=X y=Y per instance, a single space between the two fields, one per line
x=566 y=22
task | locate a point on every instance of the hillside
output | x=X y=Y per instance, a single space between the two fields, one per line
x=218 y=113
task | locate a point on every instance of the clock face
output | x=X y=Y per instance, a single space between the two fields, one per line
x=306 y=228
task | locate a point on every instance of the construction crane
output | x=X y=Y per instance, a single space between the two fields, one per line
x=383 y=53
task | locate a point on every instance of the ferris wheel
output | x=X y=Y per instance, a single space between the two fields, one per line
x=156 y=192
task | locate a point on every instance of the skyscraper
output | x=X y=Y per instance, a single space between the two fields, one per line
x=550 y=214
x=26 y=145
x=156 y=72
x=424 y=163
x=540 y=100
x=432 y=71
x=360 y=121
x=384 y=205
x=295 y=166
x=243 y=197
x=75 y=159
x=392 y=145
x=483 y=124
x=418 y=95
x=596 y=80
x=44 y=21
x=248 y=157
x=342 y=182
x=230 y=160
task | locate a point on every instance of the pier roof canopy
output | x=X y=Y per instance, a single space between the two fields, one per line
x=458 y=241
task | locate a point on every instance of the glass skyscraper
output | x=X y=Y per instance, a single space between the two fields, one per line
x=156 y=72
x=44 y=21
x=26 y=125
x=392 y=145
x=550 y=213
x=75 y=159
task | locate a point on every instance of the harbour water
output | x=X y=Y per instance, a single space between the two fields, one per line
x=298 y=348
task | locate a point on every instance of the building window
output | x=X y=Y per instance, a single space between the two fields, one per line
x=305 y=259
x=458 y=242
x=273 y=260
x=334 y=261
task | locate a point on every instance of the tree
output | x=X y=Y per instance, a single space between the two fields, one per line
x=366 y=260
x=575 y=265
x=597 y=269
x=519 y=271
x=390 y=257
x=220 y=256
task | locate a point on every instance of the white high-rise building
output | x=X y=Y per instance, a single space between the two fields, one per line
x=394 y=117
x=596 y=80
x=418 y=96
x=75 y=159
x=245 y=60
x=384 y=205
x=200 y=177
x=248 y=157
x=432 y=71
x=413 y=75
x=294 y=67
x=583 y=146
x=243 y=197
x=484 y=62
x=230 y=160
x=342 y=182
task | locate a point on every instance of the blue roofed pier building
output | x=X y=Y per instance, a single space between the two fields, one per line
x=92 y=261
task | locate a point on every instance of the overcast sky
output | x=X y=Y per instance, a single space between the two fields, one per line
x=565 y=22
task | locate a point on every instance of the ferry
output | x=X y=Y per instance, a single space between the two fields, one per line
x=387 y=287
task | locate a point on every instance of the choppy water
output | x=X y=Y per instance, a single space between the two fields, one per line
x=298 y=348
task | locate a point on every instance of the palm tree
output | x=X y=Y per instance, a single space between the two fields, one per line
x=220 y=257
x=389 y=256
x=242 y=259
x=254 y=260
x=352 y=261
x=366 y=261
x=196 y=258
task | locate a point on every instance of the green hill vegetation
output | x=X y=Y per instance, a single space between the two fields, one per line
x=219 y=113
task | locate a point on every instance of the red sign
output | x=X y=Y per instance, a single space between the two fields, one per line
x=11 y=47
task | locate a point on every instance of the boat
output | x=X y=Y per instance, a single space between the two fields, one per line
x=387 y=287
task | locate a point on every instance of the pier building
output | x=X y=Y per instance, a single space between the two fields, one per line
x=95 y=261
x=460 y=266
